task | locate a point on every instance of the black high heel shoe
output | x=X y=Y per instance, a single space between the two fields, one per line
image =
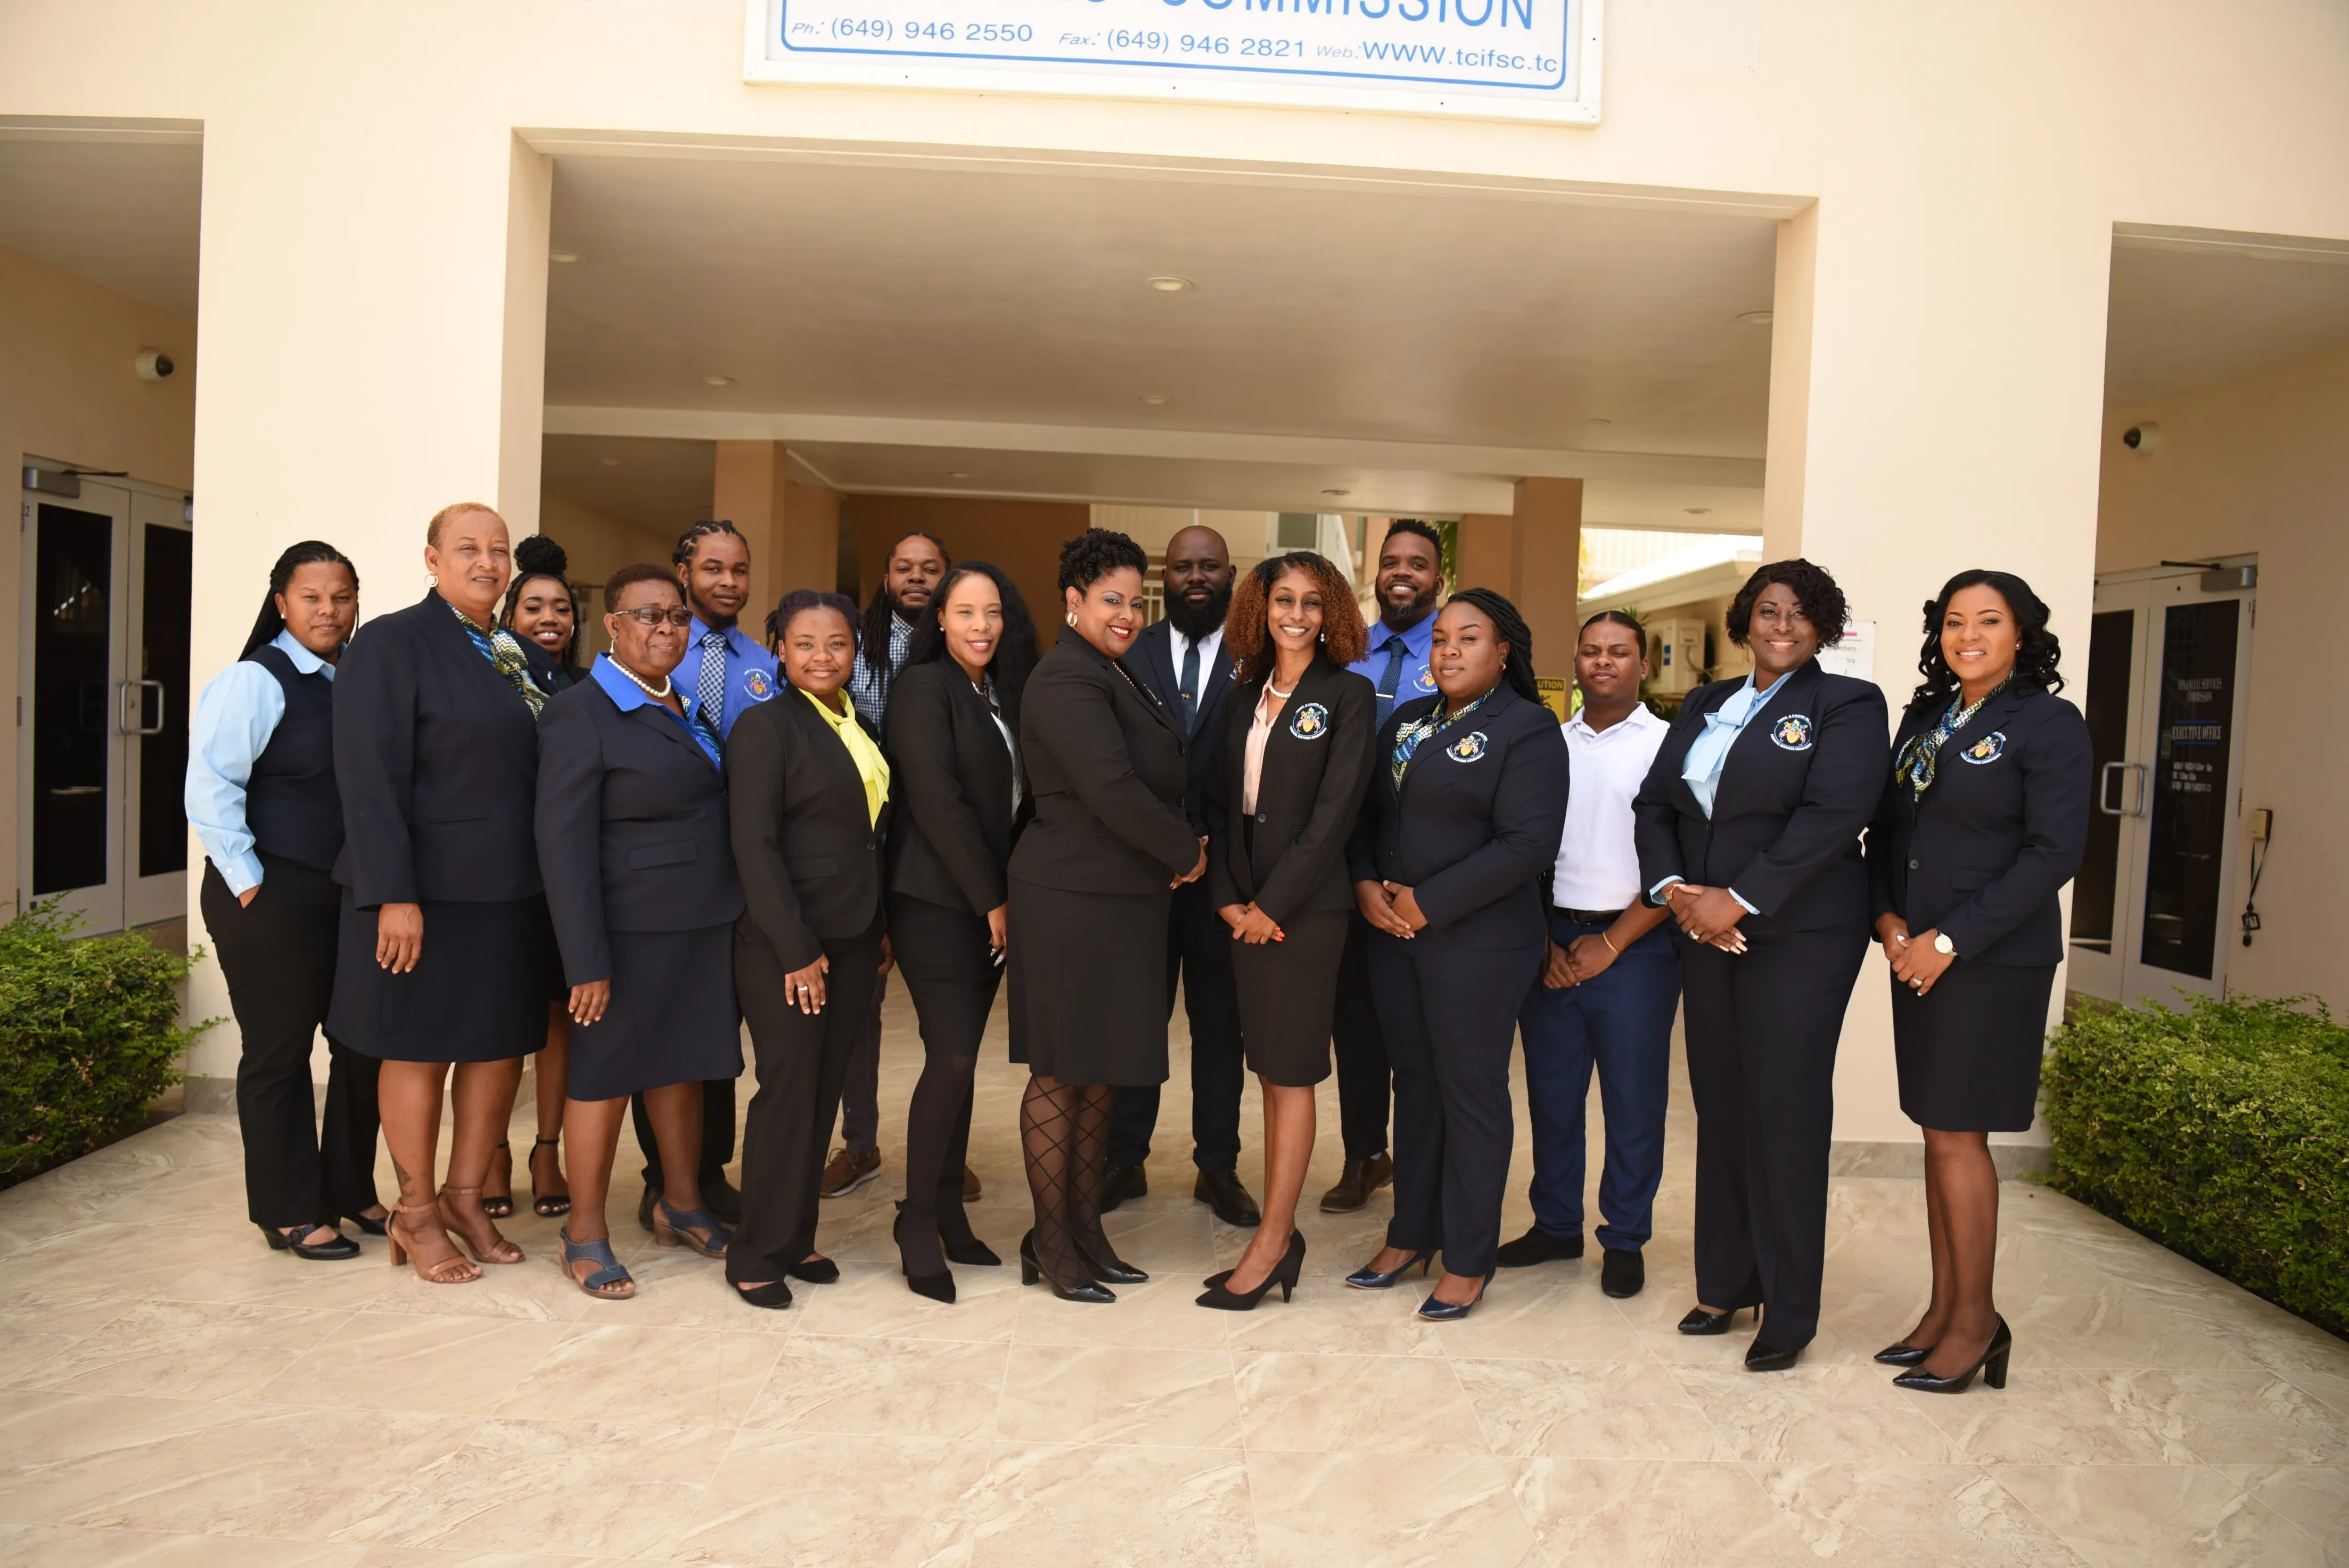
x=1116 y=1270
x=341 y=1246
x=1367 y=1278
x=956 y=1238
x=1699 y=1321
x=1993 y=1367
x=371 y=1227
x=939 y=1287
x=1030 y=1271
x=1903 y=1353
x=1223 y=1298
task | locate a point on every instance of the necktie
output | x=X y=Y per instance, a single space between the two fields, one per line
x=1190 y=692
x=709 y=691
x=1392 y=673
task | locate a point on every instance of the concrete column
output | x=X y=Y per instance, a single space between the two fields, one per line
x=1549 y=568
x=1485 y=555
x=794 y=543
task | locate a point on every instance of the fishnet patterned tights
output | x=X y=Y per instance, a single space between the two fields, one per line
x=1064 y=1133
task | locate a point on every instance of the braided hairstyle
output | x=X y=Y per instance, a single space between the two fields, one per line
x=308 y=553
x=1510 y=627
x=1095 y=554
x=540 y=556
x=1015 y=649
x=1619 y=617
x=2036 y=650
x=882 y=609
x=700 y=530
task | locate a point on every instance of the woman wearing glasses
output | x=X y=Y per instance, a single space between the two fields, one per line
x=1748 y=830
x=632 y=831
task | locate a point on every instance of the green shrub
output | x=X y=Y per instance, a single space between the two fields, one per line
x=89 y=1035
x=2221 y=1132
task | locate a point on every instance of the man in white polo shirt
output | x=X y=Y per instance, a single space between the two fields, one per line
x=1612 y=984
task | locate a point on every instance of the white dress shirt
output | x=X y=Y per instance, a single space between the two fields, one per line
x=1598 y=867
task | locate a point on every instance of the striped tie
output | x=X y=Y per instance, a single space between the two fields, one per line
x=709 y=692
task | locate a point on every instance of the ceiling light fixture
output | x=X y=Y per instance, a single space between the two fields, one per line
x=1756 y=317
x=1170 y=283
x=718 y=380
x=609 y=462
x=1698 y=511
x=562 y=258
x=1336 y=493
x=957 y=473
x=1156 y=399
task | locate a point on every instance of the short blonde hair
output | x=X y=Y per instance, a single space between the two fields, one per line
x=432 y=529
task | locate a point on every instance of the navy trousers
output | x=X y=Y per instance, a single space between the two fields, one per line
x=1198 y=951
x=1450 y=1014
x=1621 y=1023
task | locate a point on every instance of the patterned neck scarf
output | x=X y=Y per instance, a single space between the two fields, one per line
x=1419 y=730
x=1917 y=758
x=500 y=649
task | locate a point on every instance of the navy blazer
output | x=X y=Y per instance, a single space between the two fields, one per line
x=1801 y=780
x=1317 y=764
x=1474 y=829
x=632 y=830
x=805 y=842
x=953 y=776
x=1151 y=660
x=1105 y=759
x=436 y=755
x=1997 y=835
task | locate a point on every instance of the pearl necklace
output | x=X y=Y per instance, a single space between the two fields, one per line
x=668 y=687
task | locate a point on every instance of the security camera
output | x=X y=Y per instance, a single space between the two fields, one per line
x=2141 y=437
x=154 y=365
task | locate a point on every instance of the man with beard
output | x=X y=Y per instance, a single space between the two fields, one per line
x=1410 y=581
x=1181 y=659
x=910 y=575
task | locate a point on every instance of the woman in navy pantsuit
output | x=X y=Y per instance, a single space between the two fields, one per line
x=1466 y=803
x=1983 y=820
x=1748 y=829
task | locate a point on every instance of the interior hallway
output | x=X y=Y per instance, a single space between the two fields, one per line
x=173 y=1393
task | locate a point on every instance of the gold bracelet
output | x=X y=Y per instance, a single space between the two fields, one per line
x=1611 y=944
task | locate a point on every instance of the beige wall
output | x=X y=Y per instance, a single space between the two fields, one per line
x=69 y=394
x=1023 y=537
x=598 y=544
x=2261 y=466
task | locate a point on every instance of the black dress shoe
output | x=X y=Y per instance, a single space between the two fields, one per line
x=774 y=1295
x=815 y=1271
x=1763 y=1357
x=1537 y=1246
x=1623 y=1273
x=1993 y=1367
x=1699 y=1321
x=372 y=1227
x=1030 y=1271
x=723 y=1199
x=1120 y=1182
x=333 y=1251
x=1903 y=1353
x=1221 y=1191
x=1357 y=1181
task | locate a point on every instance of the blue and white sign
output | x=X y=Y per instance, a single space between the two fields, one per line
x=1516 y=59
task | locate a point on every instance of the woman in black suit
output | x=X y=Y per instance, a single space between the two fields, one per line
x=1983 y=821
x=633 y=834
x=808 y=796
x=1748 y=830
x=1459 y=830
x=445 y=951
x=1092 y=881
x=1295 y=758
x=952 y=728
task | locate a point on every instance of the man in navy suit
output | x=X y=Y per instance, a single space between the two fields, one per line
x=1181 y=659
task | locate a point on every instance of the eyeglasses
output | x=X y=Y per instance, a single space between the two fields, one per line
x=651 y=616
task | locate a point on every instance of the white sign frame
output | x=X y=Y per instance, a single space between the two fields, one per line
x=1172 y=82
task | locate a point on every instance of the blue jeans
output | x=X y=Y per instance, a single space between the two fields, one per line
x=1621 y=1022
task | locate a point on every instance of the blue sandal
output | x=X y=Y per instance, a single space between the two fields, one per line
x=599 y=1285
x=671 y=1228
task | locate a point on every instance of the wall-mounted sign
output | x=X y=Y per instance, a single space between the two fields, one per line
x=1530 y=59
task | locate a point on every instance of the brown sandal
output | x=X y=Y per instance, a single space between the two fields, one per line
x=451 y=1270
x=496 y=1249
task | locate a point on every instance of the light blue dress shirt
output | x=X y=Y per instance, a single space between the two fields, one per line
x=235 y=717
x=1413 y=682
x=751 y=676
x=627 y=696
x=1708 y=753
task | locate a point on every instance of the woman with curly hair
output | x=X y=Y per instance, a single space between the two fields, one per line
x=1983 y=820
x=1091 y=884
x=1295 y=758
x=1748 y=831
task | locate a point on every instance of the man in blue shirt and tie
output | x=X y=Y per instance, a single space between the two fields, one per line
x=724 y=674
x=1408 y=585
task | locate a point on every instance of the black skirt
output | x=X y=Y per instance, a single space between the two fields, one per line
x=1969 y=1052
x=478 y=992
x=1288 y=991
x=672 y=1019
x=1089 y=984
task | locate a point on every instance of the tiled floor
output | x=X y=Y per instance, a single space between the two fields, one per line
x=173 y=1393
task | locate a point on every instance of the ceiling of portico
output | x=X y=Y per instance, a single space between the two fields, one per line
x=2194 y=306
x=115 y=202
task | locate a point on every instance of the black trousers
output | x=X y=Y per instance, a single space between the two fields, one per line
x=1451 y=1017
x=1198 y=951
x=277 y=955
x=1761 y=1031
x=1365 y=1081
x=801 y=1061
x=716 y=1133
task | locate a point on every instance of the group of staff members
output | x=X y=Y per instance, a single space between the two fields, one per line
x=486 y=829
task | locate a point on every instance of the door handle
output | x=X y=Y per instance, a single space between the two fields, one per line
x=122 y=690
x=2135 y=807
x=154 y=715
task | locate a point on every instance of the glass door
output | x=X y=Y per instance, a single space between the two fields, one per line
x=157 y=707
x=2169 y=665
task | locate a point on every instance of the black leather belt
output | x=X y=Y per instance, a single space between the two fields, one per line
x=1587 y=917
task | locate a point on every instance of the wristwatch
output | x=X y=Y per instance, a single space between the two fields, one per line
x=1943 y=945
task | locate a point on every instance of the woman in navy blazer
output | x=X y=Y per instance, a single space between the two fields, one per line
x=444 y=954
x=1985 y=818
x=1461 y=825
x=633 y=834
x=1748 y=829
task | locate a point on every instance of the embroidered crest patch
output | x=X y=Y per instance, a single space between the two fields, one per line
x=1309 y=723
x=1793 y=732
x=1467 y=748
x=757 y=685
x=1988 y=749
x=1424 y=682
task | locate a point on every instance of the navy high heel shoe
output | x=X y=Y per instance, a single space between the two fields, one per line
x=1369 y=1279
x=1434 y=1310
